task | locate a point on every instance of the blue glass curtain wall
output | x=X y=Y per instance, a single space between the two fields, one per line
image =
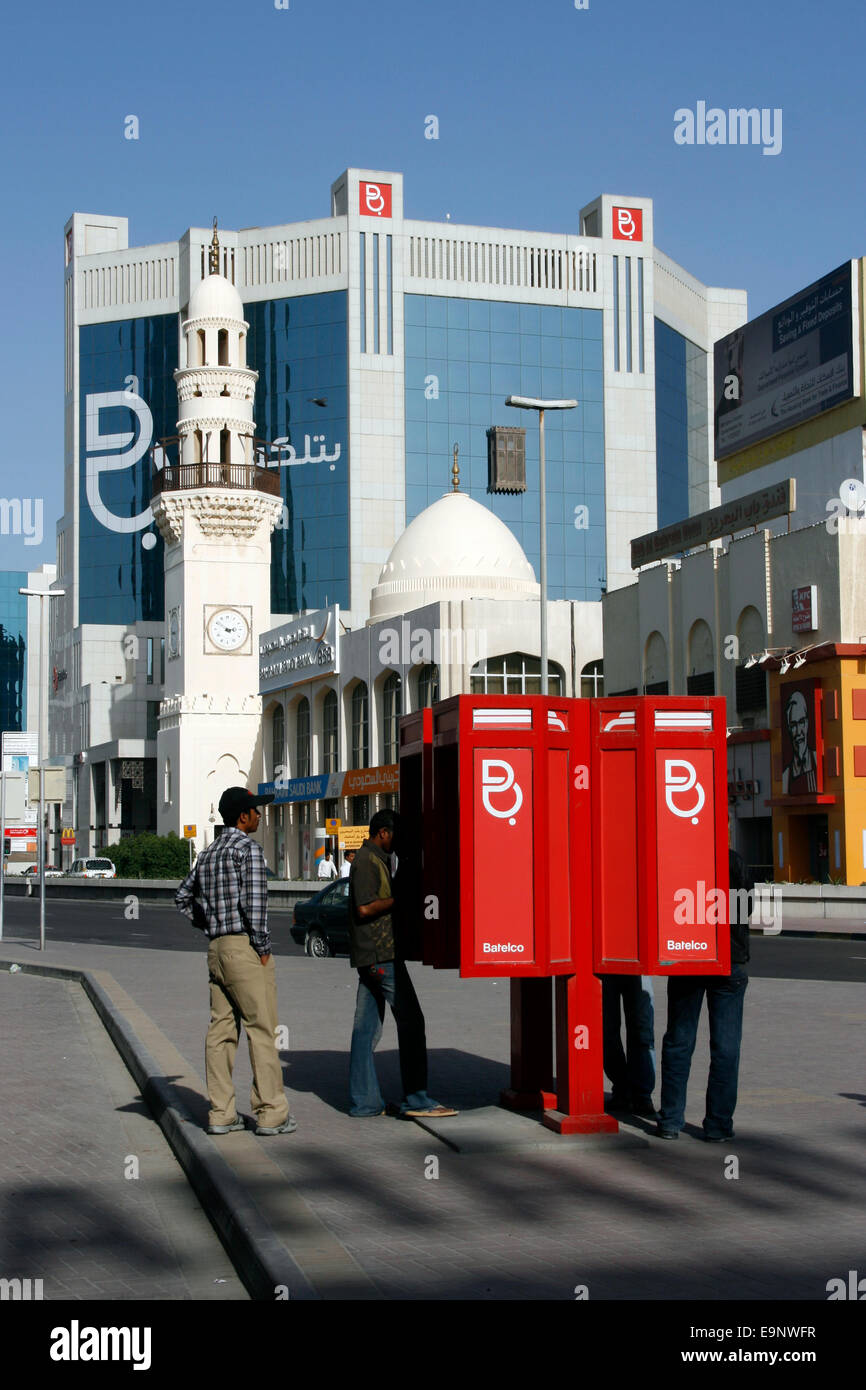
x=463 y=357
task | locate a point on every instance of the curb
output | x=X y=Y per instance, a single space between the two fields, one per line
x=261 y=1260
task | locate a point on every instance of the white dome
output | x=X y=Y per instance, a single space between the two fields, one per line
x=216 y=298
x=454 y=549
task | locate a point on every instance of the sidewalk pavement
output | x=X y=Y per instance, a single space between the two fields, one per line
x=384 y=1209
x=93 y=1201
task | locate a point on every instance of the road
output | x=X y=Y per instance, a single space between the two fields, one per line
x=161 y=927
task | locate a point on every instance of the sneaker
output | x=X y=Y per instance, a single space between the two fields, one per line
x=662 y=1133
x=431 y=1112
x=287 y=1127
x=718 y=1138
x=643 y=1105
x=239 y=1123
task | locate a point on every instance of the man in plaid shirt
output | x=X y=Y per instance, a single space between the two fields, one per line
x=226 y=895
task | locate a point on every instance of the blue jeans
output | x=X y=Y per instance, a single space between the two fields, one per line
x=725 y=995
x=390 y=982
x=631 y=1073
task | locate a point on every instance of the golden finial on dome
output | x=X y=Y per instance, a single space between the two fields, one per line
x=214 y=258
x=455 y=472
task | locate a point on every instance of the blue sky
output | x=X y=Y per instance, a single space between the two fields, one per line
x=250 y=112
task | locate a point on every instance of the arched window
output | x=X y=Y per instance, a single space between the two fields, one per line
x=750 y=681
x=330 y=733
x=278 y=744
x=428 y=686
x=514 y=674
x=166 y=791
x=302 y=739
x=202 y=354
x=701 y=677
x=655 y=666
x=392 y=708
x=223 y=348
x=360 y=726
x=592 y=680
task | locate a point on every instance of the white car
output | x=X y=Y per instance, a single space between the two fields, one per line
x=32 y=871
x=92 y=868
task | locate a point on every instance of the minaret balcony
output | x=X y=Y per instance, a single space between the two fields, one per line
x=169 y=475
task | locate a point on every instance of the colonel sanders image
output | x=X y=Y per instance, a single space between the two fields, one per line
x=800 y=774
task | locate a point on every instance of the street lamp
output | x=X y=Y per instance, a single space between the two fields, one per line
x=532 y=403
x=41 y=594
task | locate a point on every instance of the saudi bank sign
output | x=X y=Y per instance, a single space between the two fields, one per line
x=300 y=651
x=790 y=364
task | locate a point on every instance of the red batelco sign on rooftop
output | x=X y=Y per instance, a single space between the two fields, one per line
x=627 y=224
x=375 y=199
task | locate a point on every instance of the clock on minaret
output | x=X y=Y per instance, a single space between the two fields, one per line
x=227 y=629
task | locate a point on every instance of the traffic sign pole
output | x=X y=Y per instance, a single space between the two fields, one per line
x=2 y=842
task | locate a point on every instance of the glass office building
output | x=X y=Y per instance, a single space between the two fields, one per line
x=13 y=651
x=128 y=400
x=298 y=347
x=479 y=352
x=681 y=420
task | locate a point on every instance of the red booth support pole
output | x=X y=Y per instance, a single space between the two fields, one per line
x=579 y=1059
x=531 y=1046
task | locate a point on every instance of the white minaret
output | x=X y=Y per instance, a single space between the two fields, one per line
x=216 y=511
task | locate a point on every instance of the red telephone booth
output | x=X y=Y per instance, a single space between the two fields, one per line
x=660 y=842
x=506 y=835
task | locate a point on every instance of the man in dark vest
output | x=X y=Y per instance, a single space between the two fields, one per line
x=383 y=977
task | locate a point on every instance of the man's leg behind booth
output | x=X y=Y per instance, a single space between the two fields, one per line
x=725 y=998
x=639 y=1013
x=615 y=1068
x=685 y=996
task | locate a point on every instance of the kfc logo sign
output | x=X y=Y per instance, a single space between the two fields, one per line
x=680 y=783
x=628 y=224
x=498 y=776
x=375 y=200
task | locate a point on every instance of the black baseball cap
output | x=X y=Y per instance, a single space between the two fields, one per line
x=235 y=800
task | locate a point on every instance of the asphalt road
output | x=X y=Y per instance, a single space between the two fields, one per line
x=163 y=928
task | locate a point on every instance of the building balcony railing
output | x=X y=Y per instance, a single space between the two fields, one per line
x=174 y=476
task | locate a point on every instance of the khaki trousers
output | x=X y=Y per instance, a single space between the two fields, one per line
x=242 y=990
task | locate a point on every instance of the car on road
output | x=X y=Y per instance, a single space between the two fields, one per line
x=92 y=868
x=32 y=871
x=321 y=924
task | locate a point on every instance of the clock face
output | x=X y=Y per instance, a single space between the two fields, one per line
x=173 y=632
x=228 y=629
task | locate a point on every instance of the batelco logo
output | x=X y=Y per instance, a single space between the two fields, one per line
x=679 y=784
x=496 y=782
x=628 y=224
x=376 y=199
x=107 y=453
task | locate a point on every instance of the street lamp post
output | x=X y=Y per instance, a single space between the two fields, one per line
x=41 y=594
x=532 y=403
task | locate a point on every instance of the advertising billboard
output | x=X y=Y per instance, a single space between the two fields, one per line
x=790 y=364
x=802 y=737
